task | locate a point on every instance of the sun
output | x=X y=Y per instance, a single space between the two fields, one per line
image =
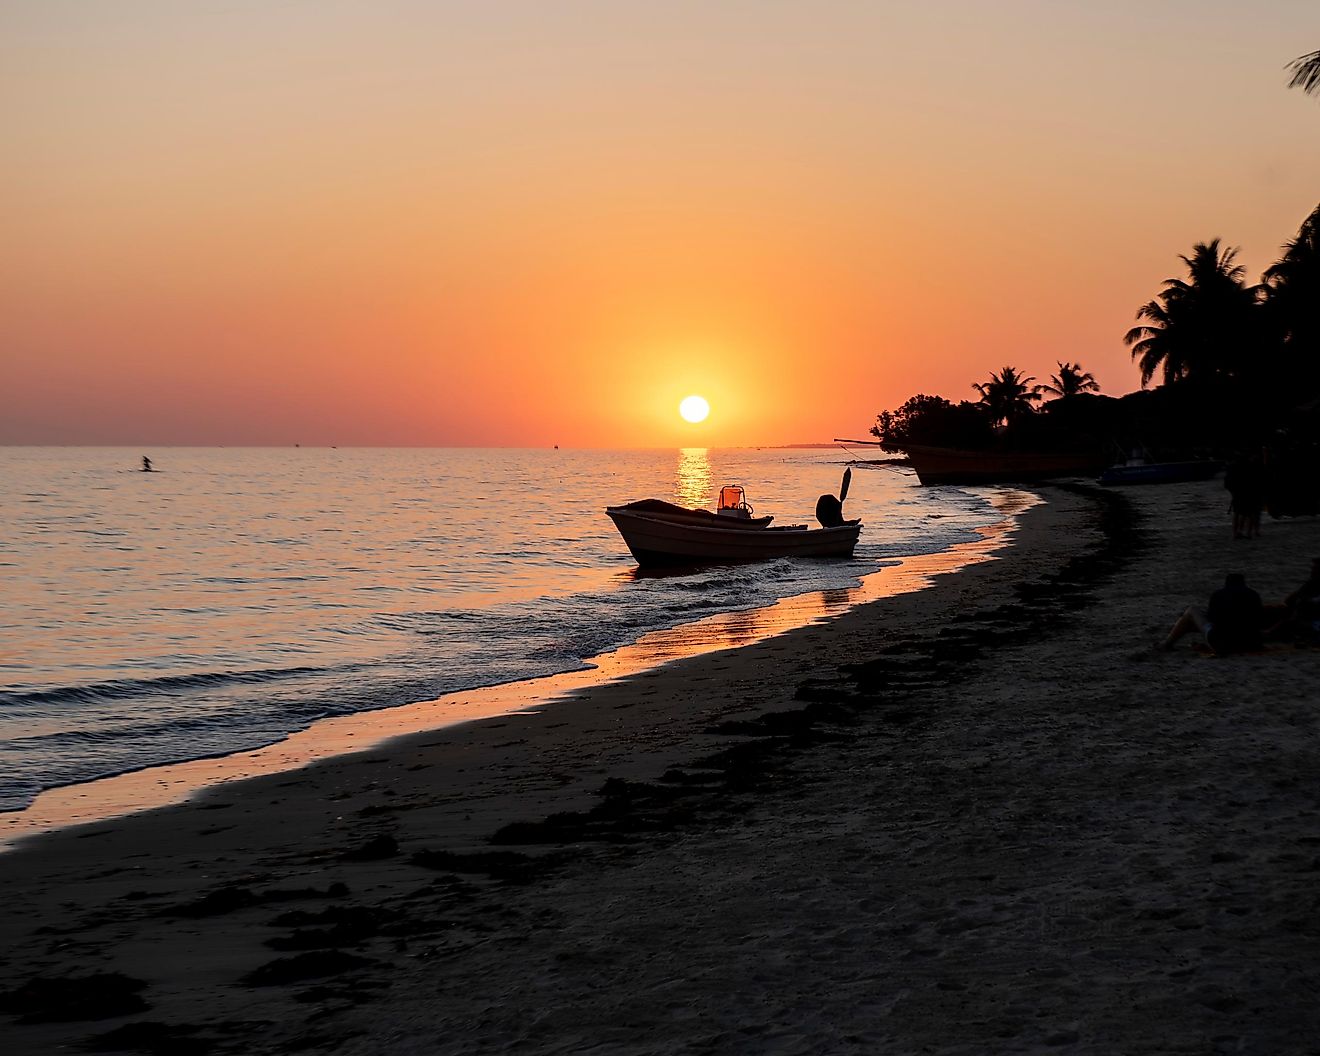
x=694 y=409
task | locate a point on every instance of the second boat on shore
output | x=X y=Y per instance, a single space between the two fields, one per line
x=947 y=465
x=1138 y=470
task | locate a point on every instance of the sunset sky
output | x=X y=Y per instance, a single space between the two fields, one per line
x=534 y=222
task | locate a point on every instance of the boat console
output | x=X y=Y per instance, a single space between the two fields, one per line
x=733 y=503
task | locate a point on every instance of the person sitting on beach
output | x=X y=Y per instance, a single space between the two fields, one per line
x=1233 y=622
x=1298 y=618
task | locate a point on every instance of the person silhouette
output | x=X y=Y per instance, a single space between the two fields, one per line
x=1232 y=624
x=1298 y=618
x=146 y=464
x=1245 y=482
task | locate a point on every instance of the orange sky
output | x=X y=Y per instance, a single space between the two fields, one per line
x=529 y=223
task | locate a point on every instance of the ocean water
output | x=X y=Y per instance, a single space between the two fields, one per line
x=238 y=595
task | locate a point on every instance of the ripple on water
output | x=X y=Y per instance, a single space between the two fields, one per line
x=280 y=586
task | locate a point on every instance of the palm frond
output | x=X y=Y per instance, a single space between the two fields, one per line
x=1305 y=73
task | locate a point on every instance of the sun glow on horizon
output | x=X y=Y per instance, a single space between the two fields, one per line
x=469 y=227
x=694 y=409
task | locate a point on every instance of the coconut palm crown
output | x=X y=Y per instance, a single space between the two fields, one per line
x=1007 y=395
x=1071 y=380
x=1198 y=327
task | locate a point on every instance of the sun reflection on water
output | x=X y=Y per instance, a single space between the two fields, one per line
x=692 y=477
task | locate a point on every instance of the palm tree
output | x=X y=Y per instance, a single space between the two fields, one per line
x=1305 y=73
x=1007 y=395
x=1201 y=326
x=1071 y=380
x=1292 y=307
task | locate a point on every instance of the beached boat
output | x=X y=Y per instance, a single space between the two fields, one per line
x=1139 y=471
x=660 y=533
x=949 y=465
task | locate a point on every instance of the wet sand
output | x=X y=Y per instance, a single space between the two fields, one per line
x=980 y=817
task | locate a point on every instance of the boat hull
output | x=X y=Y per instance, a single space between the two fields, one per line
x=948 y=465
x=655 y=541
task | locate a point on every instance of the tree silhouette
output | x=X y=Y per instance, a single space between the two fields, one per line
x=1292 y=307
x=1071 y=380
x=1305 y=73
x=933 y=420
x=1199 y=327
x=1008 y=395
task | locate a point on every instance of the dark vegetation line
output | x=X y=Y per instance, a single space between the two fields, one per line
x=1238 y=366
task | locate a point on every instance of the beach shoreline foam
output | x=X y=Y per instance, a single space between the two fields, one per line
x=979 y=817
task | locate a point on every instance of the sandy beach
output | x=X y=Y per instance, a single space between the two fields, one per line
x=983 y=817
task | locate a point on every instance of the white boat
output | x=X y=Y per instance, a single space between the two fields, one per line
x=659 y=533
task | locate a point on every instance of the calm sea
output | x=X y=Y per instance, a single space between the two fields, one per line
x=239 y=594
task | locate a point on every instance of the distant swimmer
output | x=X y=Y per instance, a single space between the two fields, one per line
x=146 y=464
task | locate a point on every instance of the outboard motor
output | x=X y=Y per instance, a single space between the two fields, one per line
x=829 y=510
